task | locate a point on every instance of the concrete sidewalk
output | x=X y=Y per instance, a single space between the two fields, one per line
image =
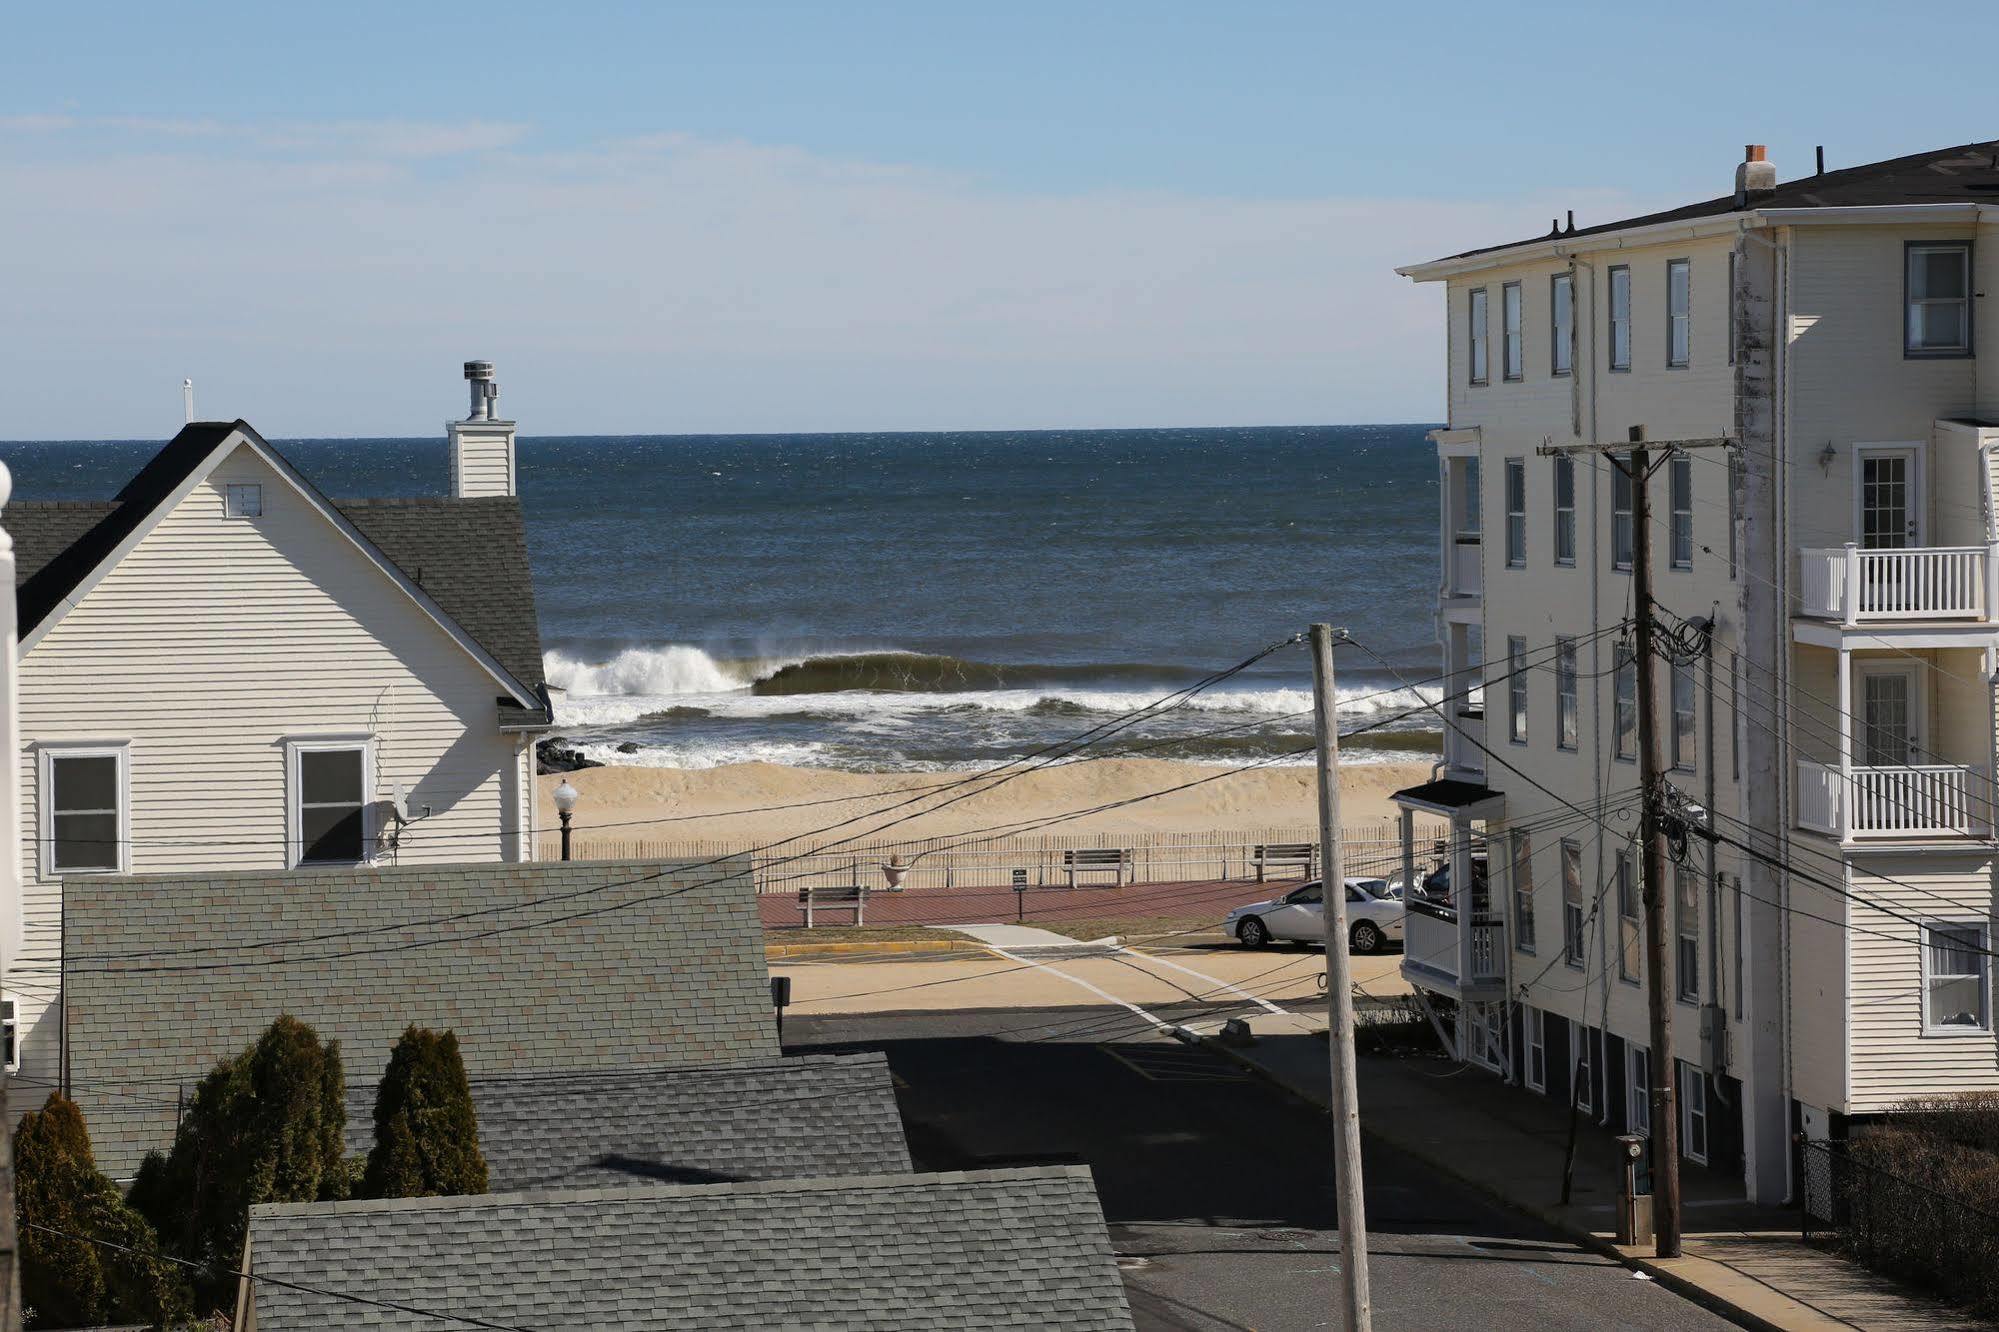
x=1747 y=1263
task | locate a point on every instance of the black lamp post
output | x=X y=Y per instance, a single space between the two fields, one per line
x=565 y=805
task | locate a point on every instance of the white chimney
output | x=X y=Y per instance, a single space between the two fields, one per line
x=1755 y=178
x=482 y=445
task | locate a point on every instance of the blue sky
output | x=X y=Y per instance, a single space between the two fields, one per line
x=858 y=216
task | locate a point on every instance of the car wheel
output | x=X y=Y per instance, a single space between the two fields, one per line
x=1366 y=937
x=1253 y=933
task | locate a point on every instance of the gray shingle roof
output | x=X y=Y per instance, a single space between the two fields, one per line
x=985 y=1249
x=549 y=966
x=469 y=555
x=774 y=1119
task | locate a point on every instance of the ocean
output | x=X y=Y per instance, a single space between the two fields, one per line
x=939 y=600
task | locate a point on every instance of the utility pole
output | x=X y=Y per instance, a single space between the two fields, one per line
x=1355 y=1309
x=1665 y=1126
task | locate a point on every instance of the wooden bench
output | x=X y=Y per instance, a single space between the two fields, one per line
x=853 y=898
x=1115 y=860
x=1278 y=854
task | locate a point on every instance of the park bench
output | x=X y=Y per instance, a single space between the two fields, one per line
x=1272 y=855
x=852 y=898
x=1108 y=859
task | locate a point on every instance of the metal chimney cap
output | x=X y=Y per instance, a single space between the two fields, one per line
x=478 y=369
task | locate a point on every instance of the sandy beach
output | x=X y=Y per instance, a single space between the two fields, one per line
x=636 y=803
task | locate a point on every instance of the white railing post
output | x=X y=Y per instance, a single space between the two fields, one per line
x=1852 y=589
x=1990 y=610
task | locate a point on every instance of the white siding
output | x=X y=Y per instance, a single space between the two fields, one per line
x=211 y=642
x=482 y=459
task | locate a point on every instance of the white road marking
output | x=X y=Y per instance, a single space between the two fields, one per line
x=1100 y=992
x=1218 y=984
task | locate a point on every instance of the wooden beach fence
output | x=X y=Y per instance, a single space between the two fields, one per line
x=1373 y=850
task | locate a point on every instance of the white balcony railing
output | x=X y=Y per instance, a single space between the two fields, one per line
x=1467 y=567
x=1433 y=950
x=1936 y=801
x=1463 y=737
x=1855 y=586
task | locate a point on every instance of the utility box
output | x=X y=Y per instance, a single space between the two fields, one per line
x=1634 y=1209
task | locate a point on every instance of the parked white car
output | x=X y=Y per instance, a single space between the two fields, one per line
x=1373 y=917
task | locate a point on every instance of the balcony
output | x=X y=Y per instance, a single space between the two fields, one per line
x=1463 y=737
x=1855 y=586
x=1437 y=955
x=1466 y=576
x=1904 y=802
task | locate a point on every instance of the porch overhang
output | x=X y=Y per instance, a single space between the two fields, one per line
x=1452 y=798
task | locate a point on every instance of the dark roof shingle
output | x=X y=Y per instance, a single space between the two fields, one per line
x=983 y=1249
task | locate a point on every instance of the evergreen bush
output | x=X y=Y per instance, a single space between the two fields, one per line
x=83 y=1275
x=426 y=1132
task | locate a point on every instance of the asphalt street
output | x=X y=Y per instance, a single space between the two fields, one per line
x=1218 y=1188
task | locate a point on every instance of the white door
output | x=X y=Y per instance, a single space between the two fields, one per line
x=1890 y=505
x=1890 y=719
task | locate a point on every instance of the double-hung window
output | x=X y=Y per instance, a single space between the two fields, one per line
x=1620 y=318
x=1625 y=686
x=1562 y=323
x=1516 y=513
x=1956 y=974
x=1693 y=1112
x=85 y=803
x=1516 y=689
x=1476 y=347
x=1512 y=355
x=1621 y=498
x=1686 y=934
x=1582 y=1060
x=1638 y=1105
x=1938 y=285
x=329 y=780
x=1565 y=509
x=1686 y=749
x=1680 y=484
x=1573 y=942
x=1533 y=1022
x=1679 y=312
x=1523 y=893
x=1628 y=944
x=1567 y=731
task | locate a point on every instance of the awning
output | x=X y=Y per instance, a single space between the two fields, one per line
x=1455 y=799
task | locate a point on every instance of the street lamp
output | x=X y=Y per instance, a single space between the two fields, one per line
x=565 y=804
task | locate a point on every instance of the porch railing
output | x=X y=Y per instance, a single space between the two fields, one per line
x=1910 y=801
x=1853 y=586
x=1462 y=739
x=1433 y=949
x=1467 y=568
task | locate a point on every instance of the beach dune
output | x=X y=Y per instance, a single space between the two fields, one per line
x=640 y=804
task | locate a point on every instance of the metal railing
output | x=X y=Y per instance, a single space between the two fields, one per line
x=1900 y=1227
x=1913 y=583
x=1905 y=801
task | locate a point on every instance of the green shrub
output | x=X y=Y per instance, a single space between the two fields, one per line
x=263 y=1127
x=426 y=1133
x=67 y=1279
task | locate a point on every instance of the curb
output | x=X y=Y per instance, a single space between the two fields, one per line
x=773 y=952
x=1595 y=1243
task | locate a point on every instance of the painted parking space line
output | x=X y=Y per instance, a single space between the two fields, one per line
x=1211 y=980
x=1097 y=990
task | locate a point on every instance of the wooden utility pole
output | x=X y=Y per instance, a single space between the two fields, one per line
x=1355 y=1310
x=1665 y=1125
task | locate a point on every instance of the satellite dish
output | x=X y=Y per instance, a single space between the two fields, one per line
x=399 y=805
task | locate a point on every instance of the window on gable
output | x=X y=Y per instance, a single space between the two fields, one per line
x=1620 y=318
x=1679 y=312
x=1478 y=335
x=1512 y=353
x=329 y=802
x=1562 y=324
x=244 y=500
x=1938 y=284
x=1516 y=513
x=85 y=792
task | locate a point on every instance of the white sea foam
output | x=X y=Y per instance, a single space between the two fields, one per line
x=644 y=672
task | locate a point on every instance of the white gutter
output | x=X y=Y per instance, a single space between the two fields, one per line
x=1721 y=224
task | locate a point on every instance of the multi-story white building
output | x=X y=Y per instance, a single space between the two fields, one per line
x=1833 y=950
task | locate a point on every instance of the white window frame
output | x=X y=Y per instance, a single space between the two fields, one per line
x=1478 y=351
x=1521 y=872
x=1565 y=514
x=1624 y=707
x=1582 y=1076
x=1630 y=939
x=1619 y=325
x=1686 y=935
x=1919 y=498
x=1535 y=1038
x=1910 y=301
x=47 y=752
x=1681 y=687
x=1984 y=974
x=1679 y=322
x=234 y=493
x=1637 y=1102
x=1516 y=513
x=1516 y=689
x=1680 y=506
x=296 y=745
x=1623 y=528
x=1693 y=1110
x=1568 y=702
x=1512 y=343
x=1575 y=947
x=1561 y=324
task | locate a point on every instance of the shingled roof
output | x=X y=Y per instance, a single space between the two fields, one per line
x=596 y=1128
x=468 y=555
x=1968 y=173
x=985 y=1249
x=545 y=967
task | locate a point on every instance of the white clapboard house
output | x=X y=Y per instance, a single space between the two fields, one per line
x=223 y=668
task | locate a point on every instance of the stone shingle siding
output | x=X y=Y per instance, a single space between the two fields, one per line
x=584 y=965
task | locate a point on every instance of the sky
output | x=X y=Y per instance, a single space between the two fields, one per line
x=749 y=217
